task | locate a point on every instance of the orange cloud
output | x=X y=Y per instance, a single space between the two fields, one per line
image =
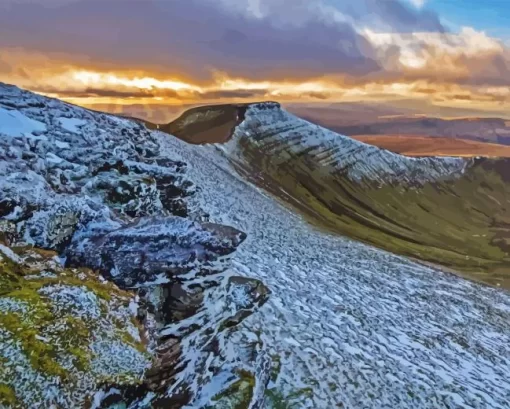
x=468 y=69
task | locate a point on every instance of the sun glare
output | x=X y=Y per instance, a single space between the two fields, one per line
x=145 y=83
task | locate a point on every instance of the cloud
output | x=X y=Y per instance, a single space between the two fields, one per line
x=192 y=39
x=468 y=57
x=233 y=94
x=113 y=93
x=418 y=3
x=184 y=51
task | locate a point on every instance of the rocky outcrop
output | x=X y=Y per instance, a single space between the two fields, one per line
x=154 y=249
x=124 y=286
x=63 y=332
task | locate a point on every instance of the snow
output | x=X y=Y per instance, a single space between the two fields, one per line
x=14 y=123
x=9 y=253
x=78 y=300
x=72 y=124
x=376 y=325
x=62 y=145
x=282 y=136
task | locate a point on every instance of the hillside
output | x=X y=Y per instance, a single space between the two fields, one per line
x=493 y=130
x=454 y=212
x=144 y=272
x=112 y=285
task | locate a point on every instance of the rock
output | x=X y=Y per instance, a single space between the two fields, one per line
x=244 y=295
x=178 y=302
x=154 y=250
x=63 y=332
x=131 y=195
x=92 y=191
x=54 y=224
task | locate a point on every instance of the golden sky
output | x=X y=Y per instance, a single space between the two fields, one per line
x=153 y=53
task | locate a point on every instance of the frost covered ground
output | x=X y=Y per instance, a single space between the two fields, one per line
x=351 y=326
x=86 y=189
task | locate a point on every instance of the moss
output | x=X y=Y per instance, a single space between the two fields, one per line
x=40 y=354
x=10 y=275
x=73 y=334
x=276 y=400
x=77 y=329
x=81 y=358
x=238 y=395
x=129 y=340
x=7 y=395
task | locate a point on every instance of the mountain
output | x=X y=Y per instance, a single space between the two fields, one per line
x=399 y=122
x=419 y=146
x=139 y=271
x=454 y=212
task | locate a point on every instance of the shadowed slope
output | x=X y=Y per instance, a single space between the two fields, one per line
x=207 y=124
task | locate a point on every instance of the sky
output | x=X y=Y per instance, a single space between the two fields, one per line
x=453 y=53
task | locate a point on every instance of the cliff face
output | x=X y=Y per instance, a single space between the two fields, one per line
x=85 y=197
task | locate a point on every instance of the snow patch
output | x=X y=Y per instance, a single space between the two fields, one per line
x=72 y=124
x=14 y=123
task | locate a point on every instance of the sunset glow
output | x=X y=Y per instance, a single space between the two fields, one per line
x=242 y=54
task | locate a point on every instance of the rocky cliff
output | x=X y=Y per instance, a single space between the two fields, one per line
x=113 y=288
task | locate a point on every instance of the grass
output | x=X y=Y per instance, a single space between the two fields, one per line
x=462 y=224
x=7 y=395
x=238 y=395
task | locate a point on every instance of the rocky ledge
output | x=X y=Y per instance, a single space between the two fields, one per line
x=114 y=290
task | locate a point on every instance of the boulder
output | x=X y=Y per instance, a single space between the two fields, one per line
x=155 y=250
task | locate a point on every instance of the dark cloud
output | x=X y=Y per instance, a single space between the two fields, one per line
x=317 y=95
x=229 y=94
x=193 y=37
x=97 y=92
x=462 y=97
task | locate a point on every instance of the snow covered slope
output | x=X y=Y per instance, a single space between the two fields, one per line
x=351 y=326
x=283 y=136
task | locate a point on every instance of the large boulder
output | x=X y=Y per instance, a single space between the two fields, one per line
x=155 y=250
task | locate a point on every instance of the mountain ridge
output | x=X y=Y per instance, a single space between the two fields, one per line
x=445 y=210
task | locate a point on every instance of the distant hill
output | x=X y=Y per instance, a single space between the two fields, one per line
x=419 y=146
x=494 y=130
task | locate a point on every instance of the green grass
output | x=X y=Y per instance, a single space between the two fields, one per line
x=462 y=224
x=74 y=334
